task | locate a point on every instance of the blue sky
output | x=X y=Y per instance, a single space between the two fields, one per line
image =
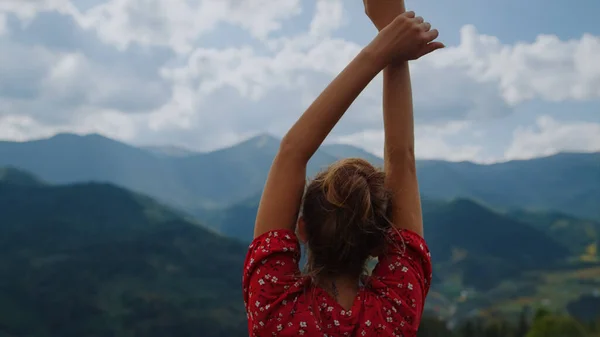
x=519 y=79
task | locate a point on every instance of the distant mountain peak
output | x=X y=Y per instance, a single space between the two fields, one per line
x=262 y=140
x=65 y=135
x=76 y=136
x=340 y=150
x=96 y=135
x=171 y=150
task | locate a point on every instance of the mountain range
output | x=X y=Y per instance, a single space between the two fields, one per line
x=462 y=231
x=567 y=182
x=133 y=240
x=94 y=259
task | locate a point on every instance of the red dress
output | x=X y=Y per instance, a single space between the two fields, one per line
x=281 y=302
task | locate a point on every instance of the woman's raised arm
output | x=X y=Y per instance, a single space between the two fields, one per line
x=282 y=195
x=399 y=148
x=283 y=190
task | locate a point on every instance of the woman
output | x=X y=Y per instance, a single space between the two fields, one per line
x=349 y=212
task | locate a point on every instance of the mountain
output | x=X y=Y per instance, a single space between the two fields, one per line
x=93 y=259
x=215 y=178
x=170 y=151
x=235 y=221
x=473 y=243
x=566 y=182
x=463 y=236
x=341 y=151
x=580 y=236
x=97 y=260
x=486 y=263
x=239 y=172
x=68 y=158
x=13 y=176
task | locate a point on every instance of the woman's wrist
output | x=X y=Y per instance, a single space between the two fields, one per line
x=374 y=56
x=380 y=57
x=391 y=12
x=397 y=65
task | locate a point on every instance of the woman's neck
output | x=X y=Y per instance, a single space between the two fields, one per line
x=343 y=289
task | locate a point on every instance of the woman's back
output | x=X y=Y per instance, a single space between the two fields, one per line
x=282 y=302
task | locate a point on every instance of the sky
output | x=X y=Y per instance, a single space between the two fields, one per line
x=518 y=79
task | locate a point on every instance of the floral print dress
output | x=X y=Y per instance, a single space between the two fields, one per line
x=280 y=301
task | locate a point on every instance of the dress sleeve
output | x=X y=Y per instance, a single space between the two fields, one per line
x=270 y=269
x=403 y=273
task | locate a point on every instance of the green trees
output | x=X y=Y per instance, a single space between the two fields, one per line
x=544 y=323
x=550 y=325
x=97 y=260
x=523 y=324
x=432 y=327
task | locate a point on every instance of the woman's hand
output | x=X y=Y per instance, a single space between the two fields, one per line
x=407 y=37
x=382 y=12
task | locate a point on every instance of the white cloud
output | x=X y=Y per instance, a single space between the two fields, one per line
x=72 y=78
x=173 y=23
x=55 y=87
x=296 y=69
x=477 y=79
x=26 y=10
x=550 y=136
x=431 y=142
x=208 y=94
x=329 y=17
x=481 y=77
x=179 y=23
x=261 y=17
x=109 y=123
x=22 y=128
x=548 y=68
x=3 y=28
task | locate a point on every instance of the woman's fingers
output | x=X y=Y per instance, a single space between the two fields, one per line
x=431 y=47
x=416 y=36
x=431 y=35
x=409 y=14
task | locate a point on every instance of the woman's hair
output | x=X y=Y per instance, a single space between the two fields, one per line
x=345 y=218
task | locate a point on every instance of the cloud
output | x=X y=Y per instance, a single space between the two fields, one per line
x=547 y=69
x=27 y=10
x=329 y=16
x=109 y=123
x=55 y=85
x=3 y=25
x=464 y=140
x=431 y=142
x=550 y=136
x=206 y=73
x=180 y=23
x=482 y=78
x=74 y=80
x=479 y=78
